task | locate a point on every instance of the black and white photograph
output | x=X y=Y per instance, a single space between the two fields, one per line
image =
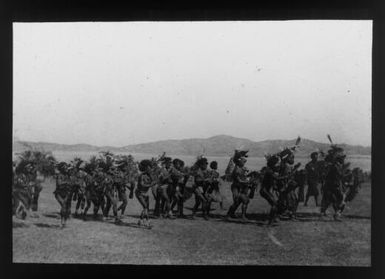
x=192 y=142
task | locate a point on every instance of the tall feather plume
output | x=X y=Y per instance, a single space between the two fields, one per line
x=297 y=142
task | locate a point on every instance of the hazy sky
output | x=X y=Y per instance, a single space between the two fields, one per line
x=131 y=82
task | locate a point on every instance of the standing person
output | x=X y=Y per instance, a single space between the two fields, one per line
x=155 y=173
x=285 y=185
x=268 y=186
x=89 y=181
x=313 y=179
x=36 y=188
x=239 y=188
x=213 y=192
x=21 y=189
x=145 y=182
x=79 y=187
x=29 y=193
x=63 y=191
x=122 y=179
x=165 y=182
x=178 y=184
x=322 y=170
x=288 y=199
x=333 y=192
x=132 y=176
x=95 y=190
x=201 y=180
x=300 y=178
x=111 y=192
x=35 y=180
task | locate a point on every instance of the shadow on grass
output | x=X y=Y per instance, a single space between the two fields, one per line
x=85 y=217
x=137 y=216
x=357 y=217
x=131 y=225
x=244 y=222
x=108 y=219
x=253 y=218
x=152 y=216
x=52 y=215
x=315 y=216
x=90 y=217
x=312 y=217
x=19 y=225
x=259 y=219
x=44 y=225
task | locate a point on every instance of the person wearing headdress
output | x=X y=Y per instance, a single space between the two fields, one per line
x=36 y=187
x=34 y=182
x=111 y=192
x=95 y=189
x=238 y=155
x=78 y=177
x=239 y=187
x=201 y=180
x=89 y=182
x=231 y=164
x=63 y=191
x=269 y=186
x=287 y=197
x=313 y=179
x=21 y=189
x=123 y=181
x=155 y=189
x=145 y=182
x=129 y=167
x=213 y=192
x=163 y=190
x=333 y=192
x=178 y=185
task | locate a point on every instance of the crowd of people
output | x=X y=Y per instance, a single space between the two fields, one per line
x=109 y=180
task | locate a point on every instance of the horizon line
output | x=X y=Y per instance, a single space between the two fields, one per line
x=223 y=135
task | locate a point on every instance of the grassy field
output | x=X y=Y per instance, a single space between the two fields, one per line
x=308 y=241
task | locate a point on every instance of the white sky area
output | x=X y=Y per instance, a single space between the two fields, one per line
x=121 y=83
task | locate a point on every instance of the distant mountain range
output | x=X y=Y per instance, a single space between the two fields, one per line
x=221 y=145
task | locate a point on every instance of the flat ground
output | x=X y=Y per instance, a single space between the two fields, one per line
x=308 y=241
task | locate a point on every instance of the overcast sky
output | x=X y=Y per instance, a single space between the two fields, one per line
x=132 y=82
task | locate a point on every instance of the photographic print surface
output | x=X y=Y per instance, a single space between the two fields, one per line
x=198 y=143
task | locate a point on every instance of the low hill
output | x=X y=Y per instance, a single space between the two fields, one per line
x=221 y=145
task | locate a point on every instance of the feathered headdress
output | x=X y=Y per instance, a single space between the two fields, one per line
x=289 y=150
x=334 y=152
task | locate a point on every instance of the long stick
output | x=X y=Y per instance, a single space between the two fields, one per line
x=330 y=139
